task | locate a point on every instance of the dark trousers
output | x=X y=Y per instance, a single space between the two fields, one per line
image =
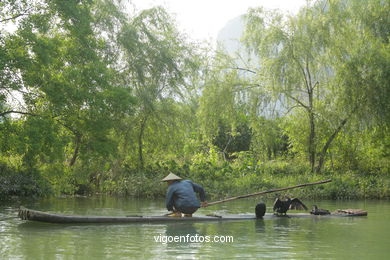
x=187 y=210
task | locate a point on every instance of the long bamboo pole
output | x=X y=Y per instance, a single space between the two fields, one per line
x=267 y=191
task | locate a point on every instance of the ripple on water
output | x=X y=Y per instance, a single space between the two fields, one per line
x=331 y=238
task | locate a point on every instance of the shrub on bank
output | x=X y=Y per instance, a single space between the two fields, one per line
x=222 y=180
x=219 y=178
x=21 y=183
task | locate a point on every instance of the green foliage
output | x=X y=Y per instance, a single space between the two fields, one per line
x=221 y=180
x=361 y=66
x=157 y=59
x=27 y=183
x=228 y=143
x=269 y=139
x=94 y=100
x=330 y=61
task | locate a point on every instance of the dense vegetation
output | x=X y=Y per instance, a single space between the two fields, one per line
x=96 y=100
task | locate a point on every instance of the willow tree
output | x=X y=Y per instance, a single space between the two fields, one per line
x=223 y=123
x=11 y=11
x=289 y=50
x=311 y=62
x=359 y=57
x=156 y=61
x=59 y=54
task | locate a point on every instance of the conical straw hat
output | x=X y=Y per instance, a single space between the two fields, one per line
x=171 y=177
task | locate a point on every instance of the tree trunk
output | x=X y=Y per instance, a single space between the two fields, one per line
x=76 y=150
x=312 y=150
x=312 y=134
x=327 y=145
x=224 y=152
x=140 y=143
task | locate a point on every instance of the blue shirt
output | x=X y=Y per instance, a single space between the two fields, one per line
x=182 y=194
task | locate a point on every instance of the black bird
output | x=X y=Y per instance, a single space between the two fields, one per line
x=281 y=206
x=317 y=211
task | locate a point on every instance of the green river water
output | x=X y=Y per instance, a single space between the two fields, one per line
x=283 y=238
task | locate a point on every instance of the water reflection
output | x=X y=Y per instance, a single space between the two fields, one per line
x=183 y=240
x=259 y=225
x=182 y=230
x=282 y=238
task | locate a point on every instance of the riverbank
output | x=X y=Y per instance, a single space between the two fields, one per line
x=345 y=186
x=219 y=180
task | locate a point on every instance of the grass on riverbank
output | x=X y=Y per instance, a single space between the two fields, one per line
x=226 y=180
x=219 y=180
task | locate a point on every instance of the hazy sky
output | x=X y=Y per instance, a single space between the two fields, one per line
x=202 y=19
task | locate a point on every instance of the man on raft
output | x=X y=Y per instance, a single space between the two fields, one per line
x=181 y=197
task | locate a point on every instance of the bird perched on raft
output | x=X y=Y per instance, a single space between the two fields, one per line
x=281 y=206
x=316 y=211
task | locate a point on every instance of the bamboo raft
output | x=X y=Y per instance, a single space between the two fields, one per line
x=34 y=215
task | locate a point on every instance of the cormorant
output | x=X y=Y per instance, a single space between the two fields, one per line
x=317 y=211
x=281 y=206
